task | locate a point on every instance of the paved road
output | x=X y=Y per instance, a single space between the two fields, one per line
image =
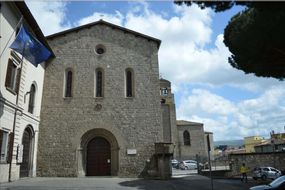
x=191 y=182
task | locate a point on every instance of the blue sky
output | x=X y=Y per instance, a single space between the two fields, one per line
x=192 y=56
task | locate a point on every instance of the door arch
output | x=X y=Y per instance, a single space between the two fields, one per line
x=94 y=141
x=98 y=157
x=27 y=141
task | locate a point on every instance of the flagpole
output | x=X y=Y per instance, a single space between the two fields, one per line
x=5 y=47
x=15 y=114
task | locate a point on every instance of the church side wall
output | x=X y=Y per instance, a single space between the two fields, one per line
x=166 y=122
x=197 y=143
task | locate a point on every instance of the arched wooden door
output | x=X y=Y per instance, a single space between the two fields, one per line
x=98 y=157
x=27 y=144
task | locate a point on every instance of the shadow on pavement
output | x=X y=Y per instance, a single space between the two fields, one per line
x=190 y=182
x=145 y=184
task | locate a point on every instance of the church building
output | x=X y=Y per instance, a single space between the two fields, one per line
x=105 y=112
x=101 y=103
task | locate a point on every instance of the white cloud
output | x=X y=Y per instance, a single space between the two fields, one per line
x=268 y=99
x=235 y=120
x=183 y=57
x=113 y=18
x=192 y=26
x=50 y=15
x=206 y=102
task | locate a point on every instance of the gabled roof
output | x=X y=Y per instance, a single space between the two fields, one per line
x=102 y=22
x=29 y=18
x=183 y=122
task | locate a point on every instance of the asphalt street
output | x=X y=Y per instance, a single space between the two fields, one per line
x=189 y=182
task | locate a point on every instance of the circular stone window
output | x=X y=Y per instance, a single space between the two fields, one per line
x=100 y=49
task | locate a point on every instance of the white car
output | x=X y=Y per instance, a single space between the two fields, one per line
x=188 y=165
x=266 y=173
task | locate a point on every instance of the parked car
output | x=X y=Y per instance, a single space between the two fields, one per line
x=174 y=163
x=277 y=184
x=266 y=173
x=189 y=165
x=205 y=165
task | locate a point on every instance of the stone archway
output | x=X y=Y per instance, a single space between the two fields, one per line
x=89 y=141
x=27 y=159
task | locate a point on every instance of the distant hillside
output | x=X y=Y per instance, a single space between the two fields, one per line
x=229 y=143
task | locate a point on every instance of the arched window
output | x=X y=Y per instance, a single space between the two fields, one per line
x=68 y=83
x=32 y=99
x=186 y=138
x=99 y=83
x=129 y=83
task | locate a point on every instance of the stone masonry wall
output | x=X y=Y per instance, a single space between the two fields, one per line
x=197 y=143
x=135 y=122
x=165 y=109
x=252 y=160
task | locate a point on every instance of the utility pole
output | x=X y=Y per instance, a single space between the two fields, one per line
x=272 y=139
x=209 y=158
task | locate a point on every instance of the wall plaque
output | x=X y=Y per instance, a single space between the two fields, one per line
x=131 y=151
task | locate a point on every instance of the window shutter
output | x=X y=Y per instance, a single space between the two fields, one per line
x=18 y=80
x=10 y=147
x=8 y=73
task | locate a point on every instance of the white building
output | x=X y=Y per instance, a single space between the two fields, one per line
x=21 y=86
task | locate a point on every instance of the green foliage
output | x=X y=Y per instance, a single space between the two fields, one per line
x=217 y=5
x=256 y=39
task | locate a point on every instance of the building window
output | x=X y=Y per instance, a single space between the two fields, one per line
x=164 y=91
x=68 y=83
x=32 y=99
x=3 y=146
x=186 y=138
x=13 y=74
x=99 y=83
x=129 y=83
x=100 y=49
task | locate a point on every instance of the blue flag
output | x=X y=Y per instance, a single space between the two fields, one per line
x=30 y=48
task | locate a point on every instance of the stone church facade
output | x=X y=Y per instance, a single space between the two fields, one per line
x=101 y=104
